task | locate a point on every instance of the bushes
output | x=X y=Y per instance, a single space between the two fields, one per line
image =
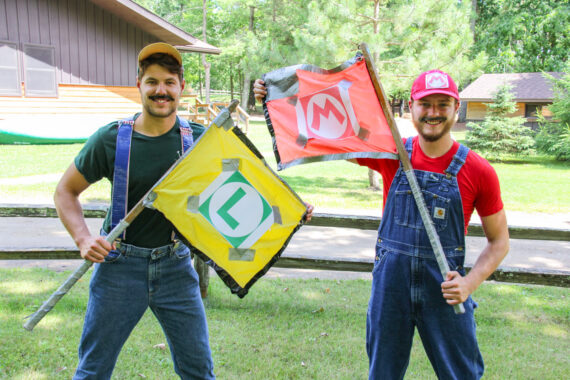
x=499 y=134
x=554 y=136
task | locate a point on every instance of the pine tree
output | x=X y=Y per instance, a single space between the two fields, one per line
x=554 y=135
x=499 y=133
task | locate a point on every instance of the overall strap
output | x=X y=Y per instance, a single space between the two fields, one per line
x=408 y=145
x=119 y=198
x=458 y=160
x=185 y=133
x=120 y=192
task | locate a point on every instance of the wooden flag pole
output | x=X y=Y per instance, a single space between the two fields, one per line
x=409 y=171
x=223 y=119
x=79 y=272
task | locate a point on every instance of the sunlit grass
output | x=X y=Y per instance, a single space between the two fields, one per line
x=283 y=329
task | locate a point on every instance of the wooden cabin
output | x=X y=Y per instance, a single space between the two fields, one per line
x=65 y=60
x=532 y=93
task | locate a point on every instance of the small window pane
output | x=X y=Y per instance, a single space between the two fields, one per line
x=42 y=81
x=39 y=57
x=9 y=71
x=39 y=70
x=532 y=110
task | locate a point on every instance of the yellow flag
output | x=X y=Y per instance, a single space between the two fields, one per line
x=230 y=207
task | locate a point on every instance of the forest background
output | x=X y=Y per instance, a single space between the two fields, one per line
x=406 y=37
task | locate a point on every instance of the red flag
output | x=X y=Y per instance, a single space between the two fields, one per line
x=316 y=115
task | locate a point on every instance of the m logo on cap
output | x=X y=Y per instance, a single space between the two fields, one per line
x=436 y=80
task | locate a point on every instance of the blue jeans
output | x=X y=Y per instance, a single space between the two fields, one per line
x=406 y=294
x=123 y=287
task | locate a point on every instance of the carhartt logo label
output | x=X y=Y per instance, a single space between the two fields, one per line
x=436 y=80
x=236 y=209
x=327 y=114
x=439 y=213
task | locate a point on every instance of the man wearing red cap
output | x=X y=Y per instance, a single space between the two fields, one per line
x=148 y=267
x=407 y=288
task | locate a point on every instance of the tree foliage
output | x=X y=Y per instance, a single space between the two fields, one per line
x=524 y=35
x=554 y=135
x=499 y=133
x=406 y=36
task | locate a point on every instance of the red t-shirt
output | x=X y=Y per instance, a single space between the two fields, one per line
x=478 y=181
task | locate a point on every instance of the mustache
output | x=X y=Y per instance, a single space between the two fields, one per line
x=158 y=97
x=438 y=119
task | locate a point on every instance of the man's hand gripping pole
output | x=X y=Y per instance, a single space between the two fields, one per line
x=409 y=171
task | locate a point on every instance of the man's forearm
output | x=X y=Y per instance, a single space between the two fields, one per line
x=70 y=213
x=497 y=233
x=487 y=262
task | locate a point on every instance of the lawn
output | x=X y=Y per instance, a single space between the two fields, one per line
x=283 y=329
x=336 y=184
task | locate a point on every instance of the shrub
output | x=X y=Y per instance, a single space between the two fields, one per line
x=554 y=136
x=500 y=134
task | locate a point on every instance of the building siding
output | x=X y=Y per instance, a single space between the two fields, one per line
x=92 y=46
x=80 y=100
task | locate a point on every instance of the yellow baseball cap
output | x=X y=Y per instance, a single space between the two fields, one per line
x=160 y=47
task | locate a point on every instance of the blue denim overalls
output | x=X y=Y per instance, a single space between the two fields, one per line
x=133 y=279
x=406 y=286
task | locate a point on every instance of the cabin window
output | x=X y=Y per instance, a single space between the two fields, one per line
x=39 y=70
x=532 y=110
x=10 y=83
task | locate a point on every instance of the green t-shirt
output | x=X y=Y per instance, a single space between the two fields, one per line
x=150 y=158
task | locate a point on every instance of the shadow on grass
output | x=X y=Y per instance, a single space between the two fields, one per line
x=357 y=189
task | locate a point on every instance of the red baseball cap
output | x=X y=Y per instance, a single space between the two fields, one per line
x=434 y=82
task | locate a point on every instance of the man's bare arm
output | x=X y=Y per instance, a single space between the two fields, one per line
x=456 y=289
x=66 y=198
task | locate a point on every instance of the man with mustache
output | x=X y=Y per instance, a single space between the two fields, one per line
x=407 y=288
x=148 y=266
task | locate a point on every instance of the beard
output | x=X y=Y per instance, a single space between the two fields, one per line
x=447 y=124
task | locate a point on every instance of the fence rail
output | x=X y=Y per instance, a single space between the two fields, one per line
x=502 y=274
x=319 y=219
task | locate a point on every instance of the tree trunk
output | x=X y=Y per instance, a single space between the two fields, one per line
x=200 y=83
x=205 y=63
x=473 y=18
x=247 y=75
x=203 y=271
x=245 y=90
x=231 y=82
x=373 y=177
x=201 y=267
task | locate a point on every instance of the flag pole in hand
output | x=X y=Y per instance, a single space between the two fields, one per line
x=409 y=171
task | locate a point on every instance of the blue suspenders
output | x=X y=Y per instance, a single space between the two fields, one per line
x=119 y=198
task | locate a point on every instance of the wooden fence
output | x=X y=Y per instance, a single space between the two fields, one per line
x=192 y=108
x=502 y=274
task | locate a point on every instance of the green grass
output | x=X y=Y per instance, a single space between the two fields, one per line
x=335 y=184
x=284 y=329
